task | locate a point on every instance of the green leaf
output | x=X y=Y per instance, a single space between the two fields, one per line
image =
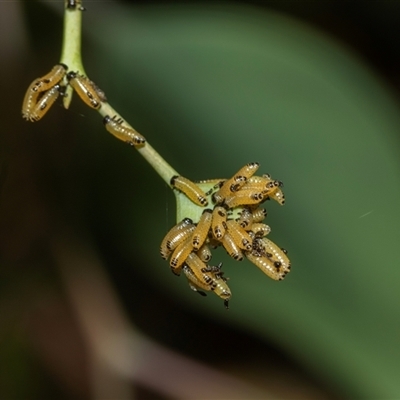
x=215 y=87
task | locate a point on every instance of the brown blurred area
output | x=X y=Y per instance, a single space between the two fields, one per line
x=67 y=325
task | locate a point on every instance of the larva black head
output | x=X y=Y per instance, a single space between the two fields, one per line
x=208 y=210
x=64 y=66
x=173 y=179
x=73 y=4
x=61 y=89
x=187 y=221
x=106 y=119
x=71 y=75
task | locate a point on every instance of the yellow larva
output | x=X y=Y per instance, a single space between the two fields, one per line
x=198 y=268
x=49 y=80
x=267 y=266
x=278 y=196
x=194 y=283
x=260 y=230
x=257 y=183
x=267 y=186
x=201 y=232
x=218 y=224
x=180 y=254
x=29 y=104
x=190 y=189
x=217 y=284
x=232 y=185
x=43 y=105
x=84 y=87
x=222 y=290
x=259 y=214
x=176 y=236
x=239 y=235
x=274 y=191
x=231 y=247
x=271 y=259
x=204 y=253
x=278 y=254
x=128 y=135
x=38 y=86
x=244 y=198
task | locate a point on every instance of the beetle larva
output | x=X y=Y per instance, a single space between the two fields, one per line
x=194 y=283
x=271 y=259
x=29 y=103
x=190 y=189
x=180 y=254
x=259 y=214
x=43 y=105
x=198 y=268
x=231 y=247
x=218 y=224
x=47 y=81
x=84 y=87
x=218 y=284
x=127 y=135
x=244 y=198
x=267 y=266
x=232 y=185
x=176 y=236
x=203 y=227
x=239 y=235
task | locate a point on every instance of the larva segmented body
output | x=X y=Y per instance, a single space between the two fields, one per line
x=231 y=247
x=43 y=105
x=180 y=254
x=270 y=258
x=30 y=109
x=47 y=81
x=239 y=235
x=121 y=132
x=218 y=224
x=260 y=230
x=85 y=89
x=175 y=236
x=244 y=198
x=217 y=284
x=201 y=232
x=29 y=103
x=190 y=189
x=198 y=268
x=259 y=214
x=273 y=269
x=232 y=185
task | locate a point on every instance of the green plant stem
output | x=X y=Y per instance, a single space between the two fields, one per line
x=71 y=48
x=147 y=151
x=71 y=56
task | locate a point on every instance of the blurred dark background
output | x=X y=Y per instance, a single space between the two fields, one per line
x=79 y=266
